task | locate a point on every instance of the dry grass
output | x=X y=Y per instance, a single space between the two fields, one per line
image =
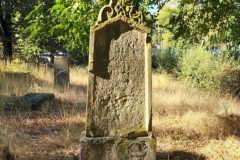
x=188 y=123
x=52 y=132
x=194 y=124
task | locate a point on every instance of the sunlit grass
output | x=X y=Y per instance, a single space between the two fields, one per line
x=184 y=118
x=52 y=132
x=190 y=120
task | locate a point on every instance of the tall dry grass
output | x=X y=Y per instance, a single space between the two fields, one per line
x=197 y=123
x=54 y=131
x=188 y=123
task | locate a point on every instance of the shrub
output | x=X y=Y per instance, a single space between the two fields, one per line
x=214 y=73
x=26 y=50
x=167 y=60
x=228 y=74
x=155 y=62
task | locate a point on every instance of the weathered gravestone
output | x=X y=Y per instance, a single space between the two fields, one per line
x=61 y=72
x=119 y=90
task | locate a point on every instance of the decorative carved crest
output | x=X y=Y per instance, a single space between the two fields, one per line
x=123 y=8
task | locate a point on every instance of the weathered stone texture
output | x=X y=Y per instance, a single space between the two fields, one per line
x=110 y=148
x=119 y=87
x=117 y=98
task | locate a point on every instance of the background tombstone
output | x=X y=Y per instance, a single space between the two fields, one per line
x=119 y=90
x=61 y=72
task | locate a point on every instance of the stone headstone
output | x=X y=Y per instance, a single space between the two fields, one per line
x=119 y=90
x=61 y=72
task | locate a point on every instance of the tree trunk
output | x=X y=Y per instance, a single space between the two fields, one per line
x=6 y=27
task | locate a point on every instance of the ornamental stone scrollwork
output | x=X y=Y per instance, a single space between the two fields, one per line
x=121 y=8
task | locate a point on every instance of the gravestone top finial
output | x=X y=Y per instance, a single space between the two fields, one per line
x=120 y=8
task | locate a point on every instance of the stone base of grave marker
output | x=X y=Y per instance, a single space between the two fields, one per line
x=111 y=148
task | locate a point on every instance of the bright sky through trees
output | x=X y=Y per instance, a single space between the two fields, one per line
x=153 y=9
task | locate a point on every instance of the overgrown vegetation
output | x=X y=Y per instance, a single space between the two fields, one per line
x=218 y=73
x=167 y=60
x=197 y=66
x=204 y=38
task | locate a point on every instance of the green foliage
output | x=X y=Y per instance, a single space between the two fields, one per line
x=162 y=24
x=167 y=60
x=72 y=21
x=12 y=13
x=211 y=21
x=196 y=67
x=68 y=25
x=27 y=50
x=214 y=73
x=39 y=27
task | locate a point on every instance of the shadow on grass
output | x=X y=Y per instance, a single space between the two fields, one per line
x=9 y=156
x=179 y=155
x=79 y=88
x=49 y=133
x=232 y=125
x=44 y=133
x=53 y=157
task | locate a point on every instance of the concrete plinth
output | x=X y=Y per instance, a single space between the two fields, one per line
x=113 y=148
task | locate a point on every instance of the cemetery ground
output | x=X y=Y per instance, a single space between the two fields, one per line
x=188 y=123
